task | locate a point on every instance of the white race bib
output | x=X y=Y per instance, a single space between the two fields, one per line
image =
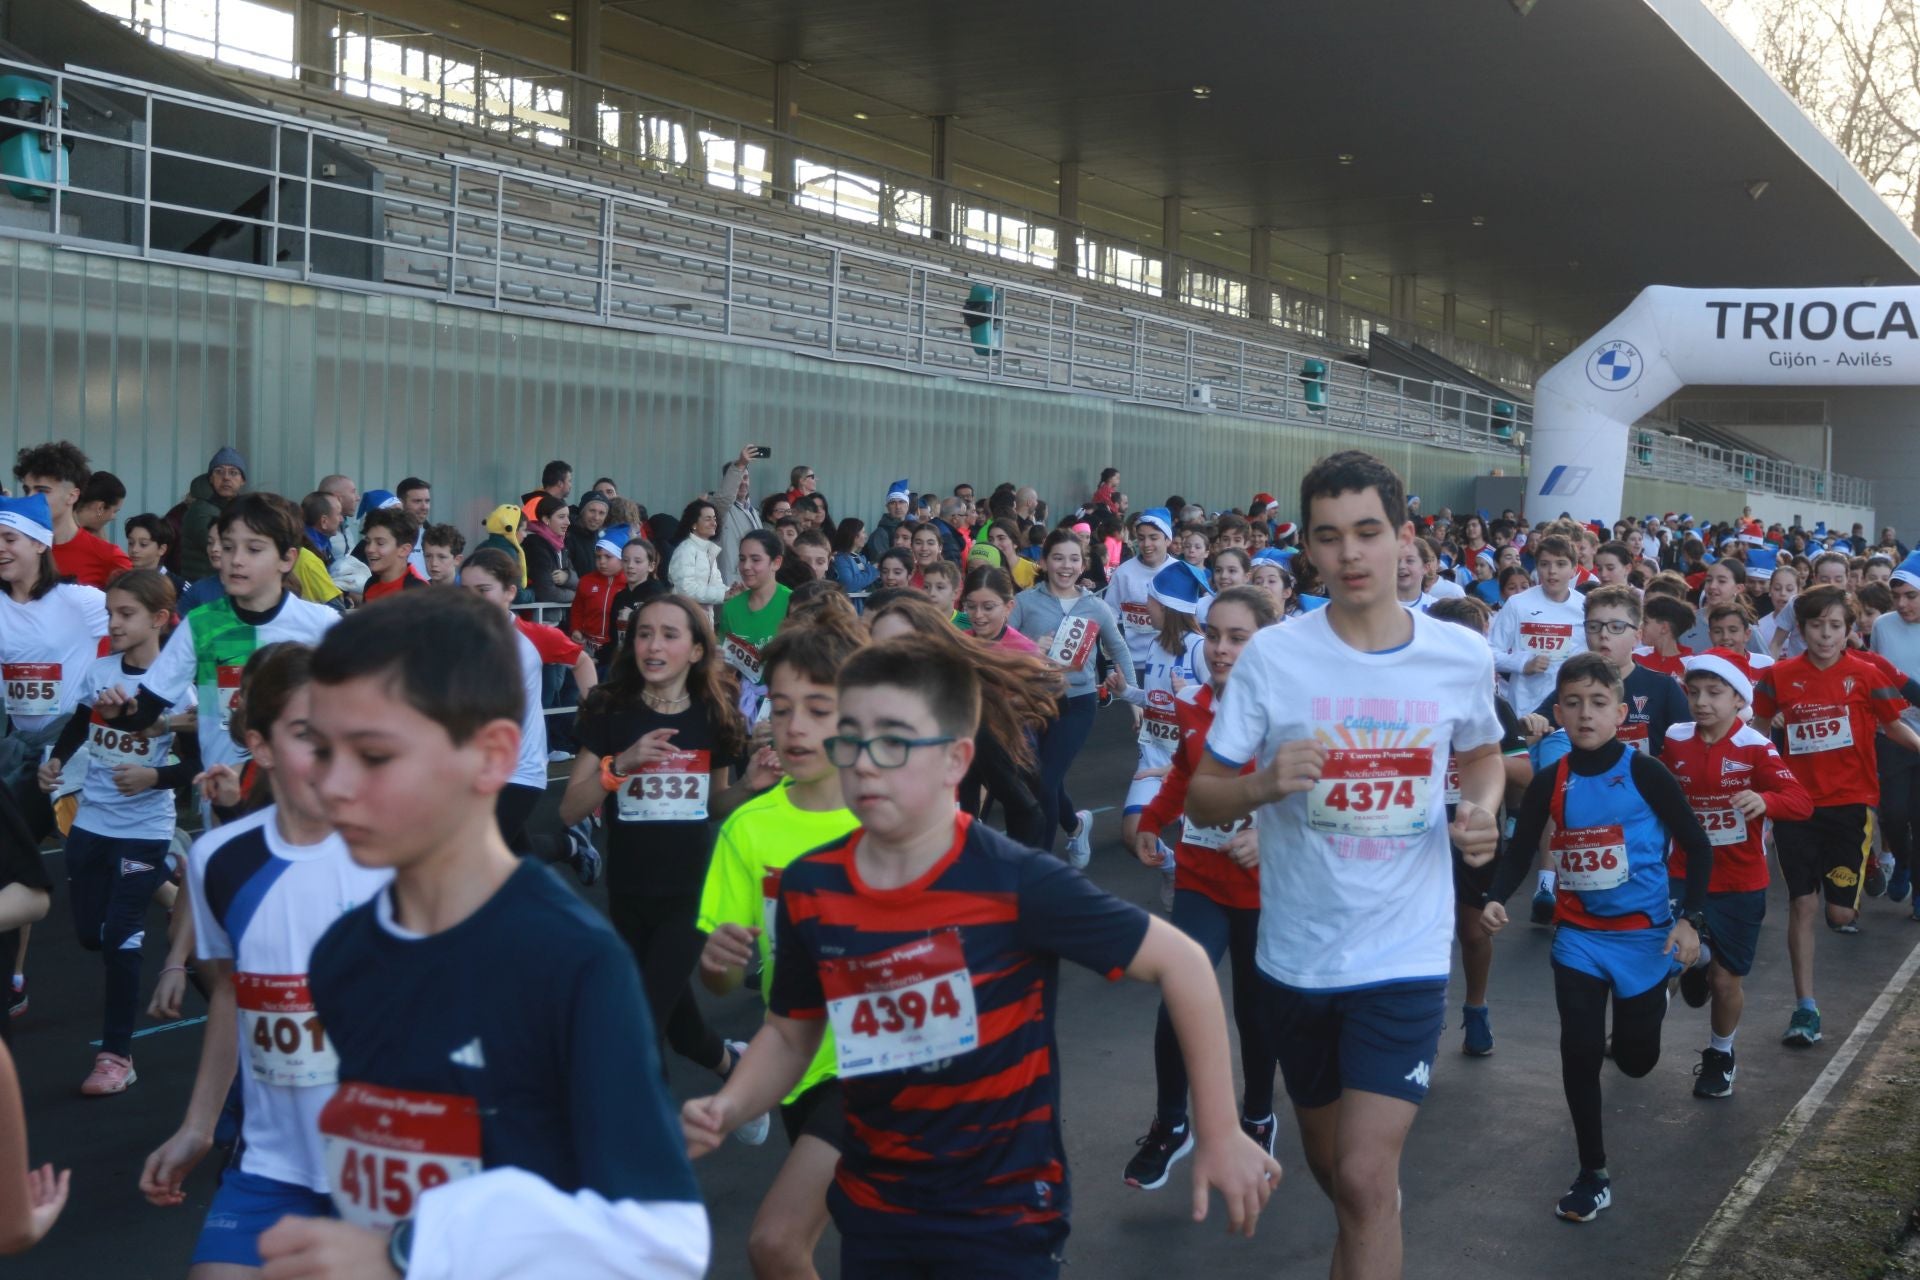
x=386 y=1146
x=770 y=904
x=1374 y=792
x=33 y=688
x=1072 y=643
x=742 y=657
x=1638 y=735
x=1213 y=837
x=1452 y=791
x=108 y=746
x=1158 y=728
x=1723 y=826
x=1134 y=617
x=1549 y=638
x=286 y=1045
x=903 y=1007
x=1812 y=729
x=670 y=790
x=226 y=687
x=1588 y=859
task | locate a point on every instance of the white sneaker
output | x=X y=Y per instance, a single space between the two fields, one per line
x=559 y=757
x=1080 y=843
x=754 y=1132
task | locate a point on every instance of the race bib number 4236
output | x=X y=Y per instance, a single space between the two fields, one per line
x=901 y=1008
x=1373 y=792
x=387 y=1146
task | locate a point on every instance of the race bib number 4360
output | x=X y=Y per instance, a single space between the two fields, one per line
x=903 y=1007
x=387 y=1146
x=1373 y=792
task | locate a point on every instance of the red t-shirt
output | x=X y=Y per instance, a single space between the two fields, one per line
x=1653 y=661
x=376 y=588
x=592 y=611
x=89 y=560
x=1203 y=868
x=1711 y=774
x=555 y=647
x=1829 y=718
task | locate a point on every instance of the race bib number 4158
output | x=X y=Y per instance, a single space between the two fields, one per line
x=901 y=1008
x=387 y=1146
x=1373 y=792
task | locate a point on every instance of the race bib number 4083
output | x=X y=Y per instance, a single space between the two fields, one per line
x=901 y=1008
x=387 y=1146
x=1373 y=792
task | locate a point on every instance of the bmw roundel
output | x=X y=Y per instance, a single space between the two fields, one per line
x=1614 y=366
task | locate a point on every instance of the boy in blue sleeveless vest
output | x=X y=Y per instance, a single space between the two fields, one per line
x=1616 y=814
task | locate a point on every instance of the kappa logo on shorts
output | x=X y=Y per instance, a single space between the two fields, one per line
x=1422 y=1074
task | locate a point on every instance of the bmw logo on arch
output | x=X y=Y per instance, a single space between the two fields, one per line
x=1614 y=366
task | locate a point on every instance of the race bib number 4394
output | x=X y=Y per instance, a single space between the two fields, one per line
x=1373 y=792
x=903 y=1007
x=387 y=1146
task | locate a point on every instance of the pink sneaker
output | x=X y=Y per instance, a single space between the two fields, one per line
x=111 y=1074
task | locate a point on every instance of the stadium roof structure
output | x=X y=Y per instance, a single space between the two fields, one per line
x=1549 y=163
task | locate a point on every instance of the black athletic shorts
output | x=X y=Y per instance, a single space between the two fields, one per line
x=1827 y=853
x=820 y=1112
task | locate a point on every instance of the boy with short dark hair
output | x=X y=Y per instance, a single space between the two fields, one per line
x=1538 y=629
x=388 y=535
x=441 y=546
x=471 y=1134
x=804 y=809
x=942 y=579
x=936 y=965
x=59 y=472
x=1666 y=620
x=1829 y=700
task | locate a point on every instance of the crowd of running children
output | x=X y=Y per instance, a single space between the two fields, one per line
x=788 y=736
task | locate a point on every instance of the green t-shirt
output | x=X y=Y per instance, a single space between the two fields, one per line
x=744 y=631
x=762 y=835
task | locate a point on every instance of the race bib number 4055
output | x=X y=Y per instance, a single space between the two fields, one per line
x=1373 y=792
x=33 y=688
x=386 y=1146
x=286 y=1045
x=670 y=790
x=903 y=1007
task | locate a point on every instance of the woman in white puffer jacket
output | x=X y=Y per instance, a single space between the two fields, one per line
x=695 y=568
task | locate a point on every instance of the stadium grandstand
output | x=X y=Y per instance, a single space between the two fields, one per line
x=356 y=240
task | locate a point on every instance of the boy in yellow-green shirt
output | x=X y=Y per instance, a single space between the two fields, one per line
x=802 y=811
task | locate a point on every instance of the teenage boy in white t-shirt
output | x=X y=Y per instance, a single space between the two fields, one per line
x=1356 y=887
x=1541 y=627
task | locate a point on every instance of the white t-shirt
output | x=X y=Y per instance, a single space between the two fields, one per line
x=1528 y=626
x=183 y=668
x=46 y=648
x=1154 y=696
x=1127 y=589
x=1356 y=878
x=1445 y=588
x=263 y=903
x=532 y=769
x=148 y=815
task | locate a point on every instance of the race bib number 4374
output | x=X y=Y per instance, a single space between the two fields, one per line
x=1373 y=792
x=901 y=1008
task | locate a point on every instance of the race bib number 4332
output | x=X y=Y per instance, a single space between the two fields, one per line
x=387 y=1146
x=901 y=1008
x=1373 y=792
x=671 y=790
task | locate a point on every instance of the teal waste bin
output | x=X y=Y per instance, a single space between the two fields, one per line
x=1313 y=384
x=983 y=302
x=30 y=153
x=1643 y=448
x=1503 y=419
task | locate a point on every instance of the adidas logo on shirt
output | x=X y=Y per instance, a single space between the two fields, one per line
x=468 y=1055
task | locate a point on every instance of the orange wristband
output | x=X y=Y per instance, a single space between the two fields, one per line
x=608 y=778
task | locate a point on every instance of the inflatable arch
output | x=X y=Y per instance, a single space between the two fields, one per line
x=1671 y=338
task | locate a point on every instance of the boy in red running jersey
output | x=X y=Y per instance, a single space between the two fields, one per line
x=1734 y=781
x=58 y=472
x=591 y=617
x=932 y=944
x=1829 y=700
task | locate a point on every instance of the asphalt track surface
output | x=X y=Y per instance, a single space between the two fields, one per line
x=1491 y=1151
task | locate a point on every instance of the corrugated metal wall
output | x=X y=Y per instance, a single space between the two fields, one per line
x=151 y=368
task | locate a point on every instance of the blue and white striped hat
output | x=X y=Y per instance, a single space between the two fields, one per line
x=613 y=539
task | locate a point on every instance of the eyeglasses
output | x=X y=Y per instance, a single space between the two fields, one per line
x=1613 y=627
x=888 y=751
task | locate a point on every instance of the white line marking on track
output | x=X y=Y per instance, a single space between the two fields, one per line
x=1700 y=1256
x=165 y=1026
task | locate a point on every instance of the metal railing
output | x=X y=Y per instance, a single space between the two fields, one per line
x=383 y=61
x=274 y=190
x=1665 y=457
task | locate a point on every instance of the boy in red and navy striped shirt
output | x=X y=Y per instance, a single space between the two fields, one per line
x=932 y=944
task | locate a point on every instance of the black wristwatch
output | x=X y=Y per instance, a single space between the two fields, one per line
x=1698 y=919
x=400 y=1245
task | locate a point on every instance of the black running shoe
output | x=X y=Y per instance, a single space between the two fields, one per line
x=1261 y=1131
x=1159 y=1151
x=1713 y=1078
x=1543 y=906
x=1694 y=987
x=1876 y=879
x=1589 y=1194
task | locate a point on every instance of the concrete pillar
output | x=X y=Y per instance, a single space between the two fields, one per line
x=1260 y=273
x=786 y=116
x=1496 y=326
x=1069 y=256
x=942 y=180
x=583 y=100
x=1539 y=342
x=1449 y=313
x=1400 y=296
x=313 y=47
x=1336 y=276
x=1170 y=280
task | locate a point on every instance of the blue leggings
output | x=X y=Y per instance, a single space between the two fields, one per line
x=1220 y=931
x=1059 y=744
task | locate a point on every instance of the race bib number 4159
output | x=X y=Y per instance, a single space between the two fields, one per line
x=1814 y=729
x=903 y=1007
x=387 y=1146
x=1373 y=792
